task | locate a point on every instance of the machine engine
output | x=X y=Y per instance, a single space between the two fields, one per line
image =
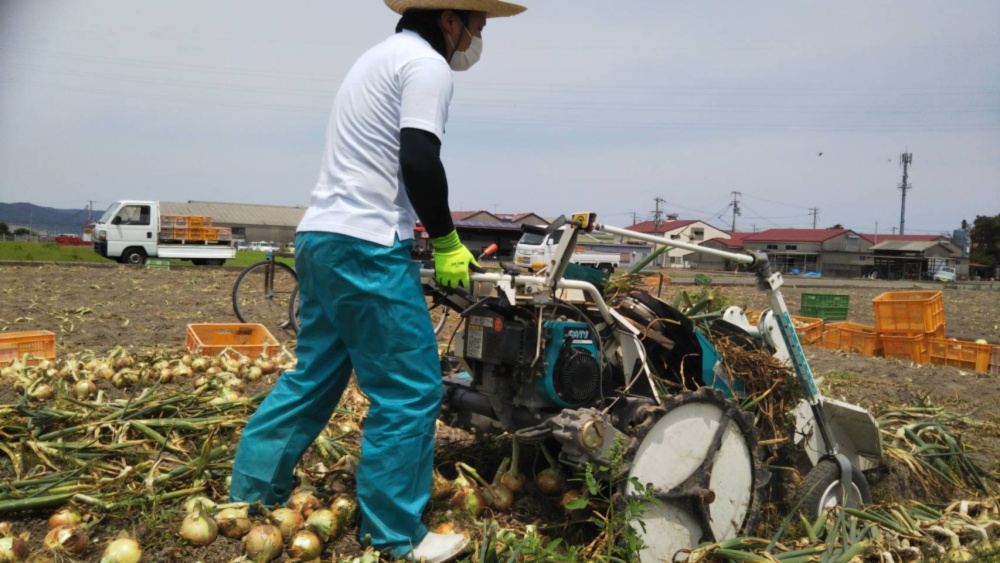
x=512 y=365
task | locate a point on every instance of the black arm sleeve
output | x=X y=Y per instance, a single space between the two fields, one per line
x=426 y=183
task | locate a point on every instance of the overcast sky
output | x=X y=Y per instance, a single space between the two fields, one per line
x=605 y=107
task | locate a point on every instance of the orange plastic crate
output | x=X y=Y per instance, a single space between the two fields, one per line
x=39 y=344
x=906 y=346
x=198 y=221
x=909 y=311
x=852 y=337
x=212 y=339
x=966 y=355
x=995 y=361
x=810 y=330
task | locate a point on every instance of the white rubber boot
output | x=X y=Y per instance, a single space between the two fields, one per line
x=438 y=548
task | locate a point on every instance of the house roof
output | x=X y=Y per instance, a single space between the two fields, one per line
x=649 y=227
x=913 y=245
x=875 y=237
x=795 y=235
x=735 y=240
x=238 y=213
x=464 y=215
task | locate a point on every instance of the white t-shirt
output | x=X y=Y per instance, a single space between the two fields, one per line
x=401 y=82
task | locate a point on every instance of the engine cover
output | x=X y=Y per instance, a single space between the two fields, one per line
x=572 y=375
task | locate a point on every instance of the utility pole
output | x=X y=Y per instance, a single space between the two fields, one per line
x=814 y=211
x=906 y=159
x=634 y=219
x=656 y=216
x=90 y=211
x=894 y=231
x=736 y=209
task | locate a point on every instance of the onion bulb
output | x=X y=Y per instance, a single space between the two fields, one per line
x=263 y=543
x=287 y=521
x=550 y=481
x=5 y=528
x=253 y=373
x=441 y=487
x=13 y=549
x=234 y=522
x=42 y=392
x=323 y=522
x=84 y=389
x=199 y=529
x=345 y=510
x=122 y=550
x=305 y=546
x=66 y=539
x=514 y=479
x=199 y=364
x=305 y=502
x=64 y=517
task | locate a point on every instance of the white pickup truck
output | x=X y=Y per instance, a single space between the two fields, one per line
x=535 y=249
x=131 y=231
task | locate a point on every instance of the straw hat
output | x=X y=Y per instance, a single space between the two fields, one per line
x=493 y=8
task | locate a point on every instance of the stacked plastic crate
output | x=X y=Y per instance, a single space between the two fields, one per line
x=907 y=321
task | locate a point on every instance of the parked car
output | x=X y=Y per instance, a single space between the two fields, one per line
x=242 y=245
x=945 y=274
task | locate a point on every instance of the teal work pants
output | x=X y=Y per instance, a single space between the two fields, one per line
x=362 y=306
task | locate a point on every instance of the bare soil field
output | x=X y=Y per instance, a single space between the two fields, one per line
x=97 y=310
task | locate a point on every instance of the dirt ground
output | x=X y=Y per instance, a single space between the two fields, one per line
x=100 y=308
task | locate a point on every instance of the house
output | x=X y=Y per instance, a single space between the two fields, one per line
x=916 y=259
x=689 y=231
x=832 y=252
x=732 y=243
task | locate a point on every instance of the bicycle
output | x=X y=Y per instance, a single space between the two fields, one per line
x=267 y=293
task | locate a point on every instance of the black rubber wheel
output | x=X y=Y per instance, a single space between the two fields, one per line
x=135 y=256
x=263 y=295
x=821 y=488
x=213 y=262
x=608 y=269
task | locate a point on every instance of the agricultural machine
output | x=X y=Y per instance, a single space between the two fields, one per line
x=545 y=358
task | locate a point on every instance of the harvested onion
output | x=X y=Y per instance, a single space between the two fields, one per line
x=234 y=522
x=64 y=517
x=305 y=502
x=263 y=543
x=287 y=521
x=324 y=523
x=197 y=528
x=66 y=539
x=84 y=389
x=13 y=549
x=122 y=550
x=305 y=546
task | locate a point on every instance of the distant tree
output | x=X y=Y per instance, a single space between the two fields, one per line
x=4 y=229
x=985 y=238
x=836 y=226
x=21 y=231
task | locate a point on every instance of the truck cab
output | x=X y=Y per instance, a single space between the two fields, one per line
x=535 y=251
x=130 y=231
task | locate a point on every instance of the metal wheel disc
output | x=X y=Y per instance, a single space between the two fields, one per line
x=700 y=454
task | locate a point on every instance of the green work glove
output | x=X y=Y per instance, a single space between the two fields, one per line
x=452 y=261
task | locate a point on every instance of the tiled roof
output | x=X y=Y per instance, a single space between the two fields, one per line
x=795 y=235
x=735 y=240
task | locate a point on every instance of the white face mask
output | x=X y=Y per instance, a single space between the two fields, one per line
x=463 y=60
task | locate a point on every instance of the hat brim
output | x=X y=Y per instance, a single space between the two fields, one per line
x=493 y=8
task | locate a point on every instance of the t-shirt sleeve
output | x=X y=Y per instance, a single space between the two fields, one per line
x=427 y=89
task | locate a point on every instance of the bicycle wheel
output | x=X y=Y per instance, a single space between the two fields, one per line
x=293 y=310
x=263 y=295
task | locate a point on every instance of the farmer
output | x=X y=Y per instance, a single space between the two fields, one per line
x=362 y=305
